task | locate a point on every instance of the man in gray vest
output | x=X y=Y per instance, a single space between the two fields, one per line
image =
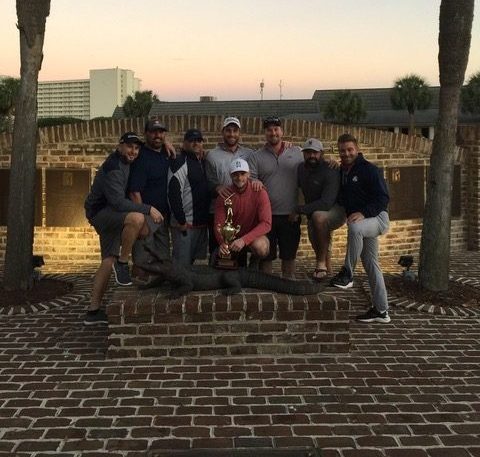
x=217 y=165
x=275 y=165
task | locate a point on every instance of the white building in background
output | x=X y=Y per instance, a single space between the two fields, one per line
x=109 y=88
x=70 y=98
x=87 y=98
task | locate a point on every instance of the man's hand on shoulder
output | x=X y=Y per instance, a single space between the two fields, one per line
x=257 y=185
x=171 y=152
x=223 y=191
x=332 y=163
x=355 y=217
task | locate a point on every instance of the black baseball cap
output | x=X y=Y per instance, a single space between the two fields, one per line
x=154 y=124
x=130 y=138
x=193 y=134
x=272 y=120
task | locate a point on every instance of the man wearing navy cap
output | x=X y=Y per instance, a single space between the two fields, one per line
x=189 y=200
x=148 y=184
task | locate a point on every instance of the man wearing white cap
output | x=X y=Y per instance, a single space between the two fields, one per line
x=320 y=185
x=251 y=211
x=217 y=166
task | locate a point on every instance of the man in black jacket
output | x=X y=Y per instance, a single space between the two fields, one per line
x=320 y=183
x=117 y=220
x=364 y=195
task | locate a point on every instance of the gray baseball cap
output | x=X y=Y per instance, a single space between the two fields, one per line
x=313 y=144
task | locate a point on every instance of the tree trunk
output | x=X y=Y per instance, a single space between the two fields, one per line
x=411 y=124
x=454 y=44
x=18 y=256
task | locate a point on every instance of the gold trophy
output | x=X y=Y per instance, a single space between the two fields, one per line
x=228 y=232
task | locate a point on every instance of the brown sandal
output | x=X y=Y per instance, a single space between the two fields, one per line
x=319 y=274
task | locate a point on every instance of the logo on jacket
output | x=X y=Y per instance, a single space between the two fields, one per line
x=355 y=178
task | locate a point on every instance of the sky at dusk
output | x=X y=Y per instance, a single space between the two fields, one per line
x=182 y=49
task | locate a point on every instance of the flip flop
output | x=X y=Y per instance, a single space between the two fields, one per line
x=319 y=271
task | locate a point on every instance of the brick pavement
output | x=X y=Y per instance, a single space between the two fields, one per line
x=410 y=388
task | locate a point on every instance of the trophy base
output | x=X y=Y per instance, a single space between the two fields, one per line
x=226 y=264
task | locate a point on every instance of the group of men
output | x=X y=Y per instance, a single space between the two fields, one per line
x=144 y=192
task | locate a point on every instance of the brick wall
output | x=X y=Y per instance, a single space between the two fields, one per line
x=469 y=138
x=85 y=146
x=145 y=324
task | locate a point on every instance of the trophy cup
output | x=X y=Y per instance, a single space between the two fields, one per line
x=228 y=232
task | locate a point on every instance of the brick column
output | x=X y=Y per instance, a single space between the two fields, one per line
x=469 y=139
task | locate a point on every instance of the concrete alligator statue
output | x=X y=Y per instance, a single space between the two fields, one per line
x=203 y=277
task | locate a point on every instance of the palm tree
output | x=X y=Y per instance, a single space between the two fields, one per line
x=345 y=107
x=411 y=93
x=140 y=104
x=32 y=17
x=9 y=88
x=471 y=95
x=456 y=18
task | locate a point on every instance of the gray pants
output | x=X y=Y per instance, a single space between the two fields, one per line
x=158 y=240
x=363 y=243
x=189 y=246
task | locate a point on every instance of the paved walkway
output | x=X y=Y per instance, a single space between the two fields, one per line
x=410 y=388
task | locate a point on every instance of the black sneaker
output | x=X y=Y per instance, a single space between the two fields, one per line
x=95 y=317
x=373 y=315
x=342 y=279
x=122 y=273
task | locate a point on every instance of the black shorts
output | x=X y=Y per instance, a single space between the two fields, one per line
x=285 y=235
x=109 y=223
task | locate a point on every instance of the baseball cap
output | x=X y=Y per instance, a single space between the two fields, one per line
x=231 y=120
x=313 y=144
x=154 y=124
x=193 y=134
x=239 y=165
x=272 y=120
x=129 y=138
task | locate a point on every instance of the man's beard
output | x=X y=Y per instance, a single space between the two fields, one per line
x=312 y=163
x=274 y=141
x=231 y=141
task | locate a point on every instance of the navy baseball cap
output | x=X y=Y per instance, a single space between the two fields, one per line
x=155 y=124
x=130 y=138
x=193 y=134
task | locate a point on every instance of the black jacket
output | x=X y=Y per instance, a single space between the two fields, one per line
x=363 y=189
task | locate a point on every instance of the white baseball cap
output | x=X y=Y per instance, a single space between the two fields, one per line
x=231 y=120
x=239 y=165
x=313 y=145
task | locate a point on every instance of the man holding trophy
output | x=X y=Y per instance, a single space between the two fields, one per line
x=242 y=219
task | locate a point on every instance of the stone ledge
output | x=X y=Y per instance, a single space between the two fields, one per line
x=144 y=324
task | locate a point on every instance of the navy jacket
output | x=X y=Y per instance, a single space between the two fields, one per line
x=363 y=189
x=149 y=176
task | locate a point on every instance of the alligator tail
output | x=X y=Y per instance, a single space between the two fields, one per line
x=259 y=280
